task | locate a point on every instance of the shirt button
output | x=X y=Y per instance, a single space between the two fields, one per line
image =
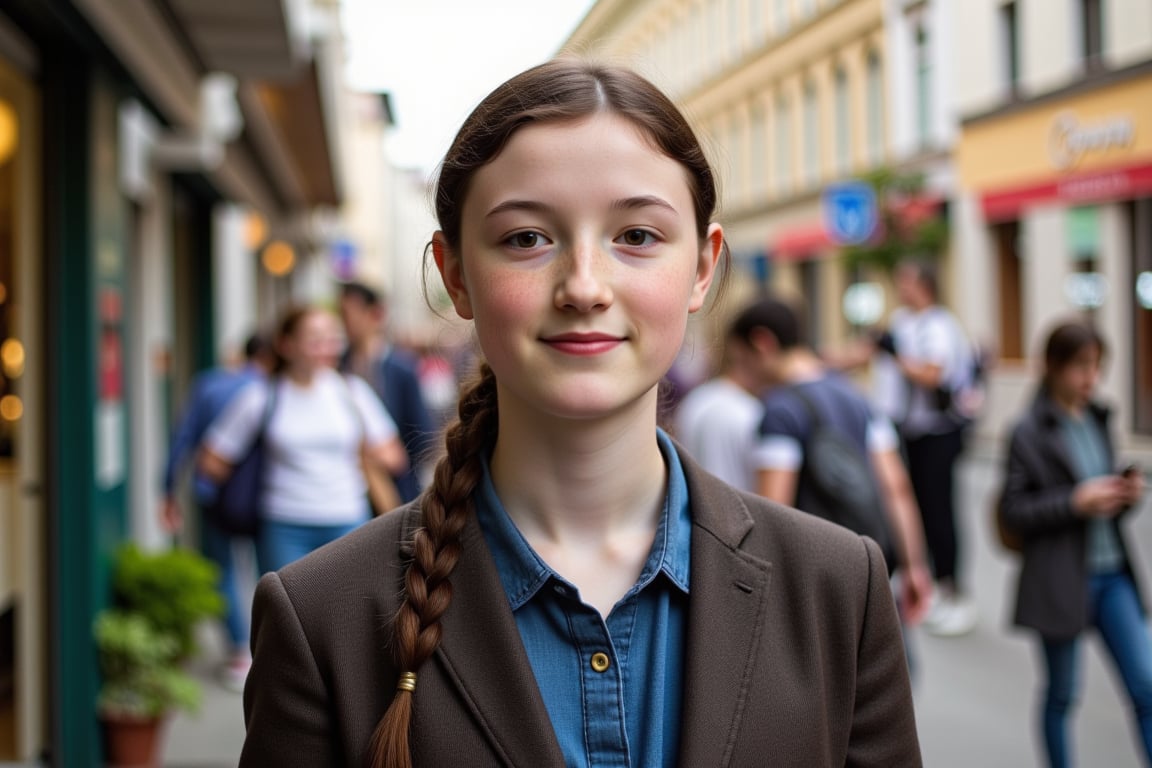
x=600 y=662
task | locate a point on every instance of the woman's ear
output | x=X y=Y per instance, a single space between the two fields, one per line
x=710 y=252
x=452 y=273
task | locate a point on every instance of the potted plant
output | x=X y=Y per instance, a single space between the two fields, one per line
x=143 y=640
x=142 y=682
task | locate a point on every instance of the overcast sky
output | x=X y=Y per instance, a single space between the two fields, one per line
x=438 y=58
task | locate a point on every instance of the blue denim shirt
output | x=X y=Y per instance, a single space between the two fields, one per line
x=612 y=689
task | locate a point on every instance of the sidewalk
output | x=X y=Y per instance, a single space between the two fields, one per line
x=974 y=694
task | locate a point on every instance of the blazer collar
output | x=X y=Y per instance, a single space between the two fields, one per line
x=728 y=598
x=726 y=616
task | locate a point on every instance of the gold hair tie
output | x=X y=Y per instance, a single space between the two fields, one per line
x=407 y=682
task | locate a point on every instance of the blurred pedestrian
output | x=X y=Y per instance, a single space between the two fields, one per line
x=801 y=396
x=210 y=393
x=571 y=590
x=391 y=372
x=716 y=421
x=922 y=359
x=1065 y=498
x=317 y=429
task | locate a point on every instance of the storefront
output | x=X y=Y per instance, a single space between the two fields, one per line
x=1059 y=222
x=22 y=622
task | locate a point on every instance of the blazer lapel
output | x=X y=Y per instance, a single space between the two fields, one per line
x=490 y=669
x=728 y=601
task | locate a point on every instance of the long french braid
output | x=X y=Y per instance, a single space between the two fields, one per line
x=446 y=507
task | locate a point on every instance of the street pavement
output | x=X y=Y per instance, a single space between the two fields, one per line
x=975 y=694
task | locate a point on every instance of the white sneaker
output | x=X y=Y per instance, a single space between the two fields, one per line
x=235 y=673
x=951 y=616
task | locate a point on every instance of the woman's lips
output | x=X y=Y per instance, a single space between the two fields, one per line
x=583 y=343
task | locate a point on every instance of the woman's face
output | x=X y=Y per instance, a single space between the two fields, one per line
x=1074 y=383
x=579 y=261
x=315 y=343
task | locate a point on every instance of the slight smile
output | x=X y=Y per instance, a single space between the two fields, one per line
x=583 y=343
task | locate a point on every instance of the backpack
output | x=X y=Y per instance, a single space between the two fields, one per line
x=962 y=398
x=236 y=506
x=838 y=477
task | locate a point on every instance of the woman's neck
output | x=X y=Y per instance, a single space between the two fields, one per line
x=571 y=479
x=1070 y=404
x=301 y=377
x=586 y=495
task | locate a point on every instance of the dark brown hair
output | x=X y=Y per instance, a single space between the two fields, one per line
x=557 y=91
x=286 y=327
x=1065 y=342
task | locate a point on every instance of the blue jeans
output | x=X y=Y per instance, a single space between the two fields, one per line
x=1115 y=613
x=219 y=547
x=284 y=543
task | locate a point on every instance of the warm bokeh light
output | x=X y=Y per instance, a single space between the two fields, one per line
x=11 y=408
x=9 y=131
x=278 y=258
x=12 y=358
x=255 y=231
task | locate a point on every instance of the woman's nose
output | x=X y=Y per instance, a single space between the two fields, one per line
x=583 y=284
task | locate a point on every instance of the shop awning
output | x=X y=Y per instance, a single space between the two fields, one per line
x=1077 y=189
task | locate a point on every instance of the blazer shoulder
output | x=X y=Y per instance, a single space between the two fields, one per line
x=369 y=560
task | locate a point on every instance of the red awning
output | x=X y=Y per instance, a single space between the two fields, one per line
x=804 y=241
x=1088 y=187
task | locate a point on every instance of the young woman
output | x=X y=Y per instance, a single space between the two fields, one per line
x=314 y=428
x=1064 y=498
x=571 y=590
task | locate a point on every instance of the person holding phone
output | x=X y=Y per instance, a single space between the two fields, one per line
x=1065 y=501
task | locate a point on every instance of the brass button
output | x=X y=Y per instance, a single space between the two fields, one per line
x=600 y=662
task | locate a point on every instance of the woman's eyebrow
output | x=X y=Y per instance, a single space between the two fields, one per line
x=519 y=205
x=642 y=201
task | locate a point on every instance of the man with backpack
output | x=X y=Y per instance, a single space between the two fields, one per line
x=821 y=449
x=210 y=393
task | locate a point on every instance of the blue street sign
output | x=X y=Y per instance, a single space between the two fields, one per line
x=849 y=212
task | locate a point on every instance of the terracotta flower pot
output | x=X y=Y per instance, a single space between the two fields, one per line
x=132 y=742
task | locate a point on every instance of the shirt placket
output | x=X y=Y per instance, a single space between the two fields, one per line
x=602 y=689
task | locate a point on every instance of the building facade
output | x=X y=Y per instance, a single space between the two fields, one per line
x=1054 y=214
x=140 y=141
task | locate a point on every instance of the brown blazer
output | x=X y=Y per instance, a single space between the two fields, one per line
x=794 y=651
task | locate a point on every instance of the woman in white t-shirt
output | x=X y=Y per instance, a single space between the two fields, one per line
x=314 y=489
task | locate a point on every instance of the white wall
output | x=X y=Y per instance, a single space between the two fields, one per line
x=234 y=274
x=1127 y=32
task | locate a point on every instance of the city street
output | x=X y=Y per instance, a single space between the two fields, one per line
x=974 y=694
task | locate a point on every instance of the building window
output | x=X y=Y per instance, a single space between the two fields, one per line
x=1010 y=46
x=757 y=160
x=843 y=120
x=811 y=133
x=1007 y=237
x=875 y=106
x=755 y=22
x=923 y=58
x=1092 y=33
x=782 y=17
x=783 y=140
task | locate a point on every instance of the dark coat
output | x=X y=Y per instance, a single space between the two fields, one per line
x=794 y=651
x=1036 y=504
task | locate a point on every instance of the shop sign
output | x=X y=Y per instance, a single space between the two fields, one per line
x=1070 y=140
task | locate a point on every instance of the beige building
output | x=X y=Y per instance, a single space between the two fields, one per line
x=790 y=96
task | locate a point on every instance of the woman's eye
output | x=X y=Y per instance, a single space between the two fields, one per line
x=527 y=240
x=636 y=237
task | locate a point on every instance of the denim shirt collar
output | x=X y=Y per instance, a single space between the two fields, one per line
x=523 y=573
